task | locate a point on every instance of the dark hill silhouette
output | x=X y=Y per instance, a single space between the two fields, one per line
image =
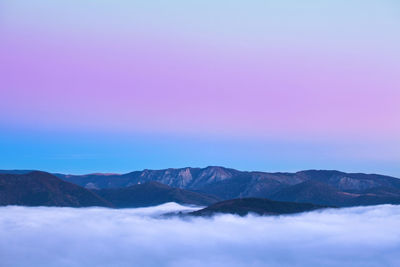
x=258 y=206
x=43 y=189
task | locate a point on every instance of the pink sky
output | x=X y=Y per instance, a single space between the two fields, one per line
x=176 y=88
x=264 y=70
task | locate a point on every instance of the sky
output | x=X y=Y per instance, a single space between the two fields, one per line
x=117 y=86
x=40 y=236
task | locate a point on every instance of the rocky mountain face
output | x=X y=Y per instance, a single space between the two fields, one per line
x=186 y=178
x=314 y=186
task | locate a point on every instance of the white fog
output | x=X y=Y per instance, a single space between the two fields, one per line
x=363 y=236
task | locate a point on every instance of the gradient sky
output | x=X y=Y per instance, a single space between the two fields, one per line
x=115 y=86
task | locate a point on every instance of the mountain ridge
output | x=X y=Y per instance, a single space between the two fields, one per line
x=323 y=187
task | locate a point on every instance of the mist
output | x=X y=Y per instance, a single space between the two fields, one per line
x=42 y=236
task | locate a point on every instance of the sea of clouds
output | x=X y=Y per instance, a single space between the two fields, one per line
x=39 y=236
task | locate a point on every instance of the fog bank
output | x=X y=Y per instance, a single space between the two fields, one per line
x=363 y=236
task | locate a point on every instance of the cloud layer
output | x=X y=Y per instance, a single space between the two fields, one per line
x=364 y=236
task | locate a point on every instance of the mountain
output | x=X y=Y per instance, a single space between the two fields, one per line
x=15 y=171
x=186 y=178
x=153 y=193
x=350 y=182
x=312 y=191
x=98 y=180
x=325 y=187
x=43 y=189
x=214 y=178
x=328 y=193
x=258 y=206
x=224 y=182
x=376 y=196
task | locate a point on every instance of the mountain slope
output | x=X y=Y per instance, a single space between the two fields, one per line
x=186 y=178
x=258 y=206
x=316 y=192
x=312 y=192
x=43 y=189
x=350 y=182
x=229 y=183
x=320 y=186
x=153 y=193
